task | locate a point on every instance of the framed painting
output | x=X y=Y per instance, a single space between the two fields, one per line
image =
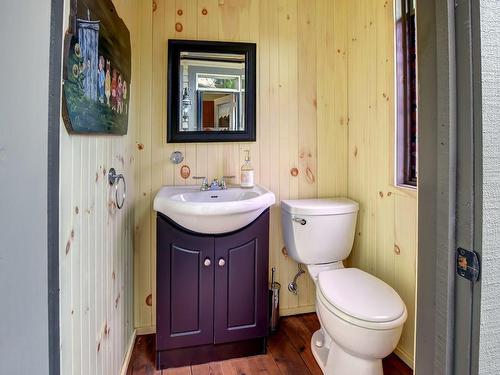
x=96 y=70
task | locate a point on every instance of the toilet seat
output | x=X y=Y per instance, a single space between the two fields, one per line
x=361 y=299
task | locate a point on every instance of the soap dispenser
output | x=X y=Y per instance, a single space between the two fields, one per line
x=247 y=172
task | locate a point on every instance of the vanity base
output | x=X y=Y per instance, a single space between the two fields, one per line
x=209 y=353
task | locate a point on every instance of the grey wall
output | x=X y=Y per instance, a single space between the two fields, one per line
x=24 y=66
x=489 y=346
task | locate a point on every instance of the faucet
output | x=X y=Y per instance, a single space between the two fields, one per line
x=216 y=184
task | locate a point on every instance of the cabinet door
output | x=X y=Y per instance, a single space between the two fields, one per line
x=185 y=279
x=241 y=292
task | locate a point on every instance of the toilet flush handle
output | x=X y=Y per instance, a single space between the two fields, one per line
x=299 y=220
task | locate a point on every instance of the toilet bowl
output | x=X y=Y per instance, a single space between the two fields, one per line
x=361 y=317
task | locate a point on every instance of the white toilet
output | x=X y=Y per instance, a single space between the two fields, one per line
x=361 y=316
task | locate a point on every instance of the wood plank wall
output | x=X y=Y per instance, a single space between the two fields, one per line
x=386 y=238
x=325 y=106
x=96 y=239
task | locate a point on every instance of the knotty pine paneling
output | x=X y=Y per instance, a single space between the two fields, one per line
x=96 y=239
x=385 y=243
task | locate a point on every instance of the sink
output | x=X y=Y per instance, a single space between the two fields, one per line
x=213 y=212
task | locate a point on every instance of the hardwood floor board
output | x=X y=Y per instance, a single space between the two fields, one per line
x=177 y=371
x=142 y=361
x=263 y=365
x=212 y=368
x=285 y=355
x=311 y=322
x=300 y=337
x=394 y=366
x=239 y=366
x=289 y=353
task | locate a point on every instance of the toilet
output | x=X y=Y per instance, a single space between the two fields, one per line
x=361 y=316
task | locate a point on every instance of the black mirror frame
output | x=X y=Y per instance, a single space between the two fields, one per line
x=174 y=49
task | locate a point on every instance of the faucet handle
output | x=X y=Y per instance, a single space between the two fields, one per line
x=222 y=182
x=204 y=183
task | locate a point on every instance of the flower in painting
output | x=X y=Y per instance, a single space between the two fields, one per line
x=78 y=50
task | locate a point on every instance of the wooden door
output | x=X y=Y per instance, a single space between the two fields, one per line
x=208 y=114
x=241 y=293
x=185 y=279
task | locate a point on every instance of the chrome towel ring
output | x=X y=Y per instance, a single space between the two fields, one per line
x=114 y=179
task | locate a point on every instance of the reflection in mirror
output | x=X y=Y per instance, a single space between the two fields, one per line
x=211 y=92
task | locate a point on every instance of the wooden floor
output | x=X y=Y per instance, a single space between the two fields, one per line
x=288 y=353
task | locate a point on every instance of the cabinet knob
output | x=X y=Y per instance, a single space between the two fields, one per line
x=222 y=262
x=207 y=262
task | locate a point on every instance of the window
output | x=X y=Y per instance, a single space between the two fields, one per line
x=406 y=89
x=217 y=82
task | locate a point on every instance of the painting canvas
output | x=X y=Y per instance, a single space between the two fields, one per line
x=97 y=69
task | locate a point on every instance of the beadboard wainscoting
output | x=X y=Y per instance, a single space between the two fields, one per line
x=96 y=239
x=325 y=105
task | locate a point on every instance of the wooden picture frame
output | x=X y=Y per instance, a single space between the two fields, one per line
x=175 y=47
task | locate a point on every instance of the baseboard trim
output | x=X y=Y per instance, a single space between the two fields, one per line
x=145 y=330
x=297 y=310
x=404 y=356
x=128 y=355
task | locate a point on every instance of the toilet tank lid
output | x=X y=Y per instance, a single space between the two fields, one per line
x=325 y=206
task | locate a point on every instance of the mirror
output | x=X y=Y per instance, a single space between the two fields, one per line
x=211 y=91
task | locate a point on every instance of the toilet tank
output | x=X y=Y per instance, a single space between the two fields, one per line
x=319 y=231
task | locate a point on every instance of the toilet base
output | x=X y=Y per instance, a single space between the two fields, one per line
x=333 y=360
x=320 y=354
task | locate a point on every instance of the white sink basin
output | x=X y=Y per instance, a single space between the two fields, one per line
x=212 y=212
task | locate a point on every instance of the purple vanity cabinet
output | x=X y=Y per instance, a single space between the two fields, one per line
x=212 y=295
x=241 y=284
x=184 y=315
